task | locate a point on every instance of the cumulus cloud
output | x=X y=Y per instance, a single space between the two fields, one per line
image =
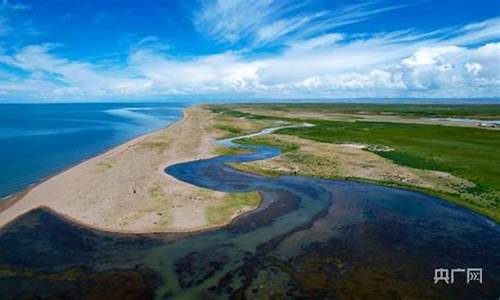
x=404 y=63
x=451 y=69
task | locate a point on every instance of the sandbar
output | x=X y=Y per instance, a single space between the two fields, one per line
x=126 y=189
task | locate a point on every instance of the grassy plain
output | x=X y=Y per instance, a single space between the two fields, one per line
x=486 y=111
x=231 y=206
x=468 y=153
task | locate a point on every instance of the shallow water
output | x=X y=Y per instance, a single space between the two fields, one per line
x=468 y=120
x=309 y=238
x=38 y=140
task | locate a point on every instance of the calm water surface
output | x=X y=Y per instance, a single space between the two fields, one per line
x=38 y=140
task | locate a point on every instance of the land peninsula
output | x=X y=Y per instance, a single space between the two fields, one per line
x=127 y=190
x=416 y=147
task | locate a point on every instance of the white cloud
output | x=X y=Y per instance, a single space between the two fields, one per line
x=232 y=20
x=430 y=56
x=261 y=22
x=376 y=79
x=477 y=32
x=473 y=67
x=60 y=76
x=456 y=69
x=207 y=73
x=404 y=63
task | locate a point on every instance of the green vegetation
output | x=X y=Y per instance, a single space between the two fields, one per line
x=284 y=147
x=469 y=153
x=230 y=151
x=227 y=110
x=106 y=164
x=230 y=204
x=231 y=130
x=159 y=145
x=255 y=170
x=486 y=111
x=158 y=195
x=233 y=113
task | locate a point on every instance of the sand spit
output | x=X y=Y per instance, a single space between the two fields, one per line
x=126 y=189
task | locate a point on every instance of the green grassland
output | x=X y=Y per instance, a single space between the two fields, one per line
x=220 y=213
x=230 y=151
x=469 y=153
x=479 y=111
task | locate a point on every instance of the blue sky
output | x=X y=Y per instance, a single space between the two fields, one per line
x=230 y=49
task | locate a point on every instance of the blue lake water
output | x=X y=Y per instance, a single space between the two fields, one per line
x=38 y=140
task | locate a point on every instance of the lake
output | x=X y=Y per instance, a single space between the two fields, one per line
x=39 y=140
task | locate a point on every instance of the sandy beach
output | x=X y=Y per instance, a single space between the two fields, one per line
x=126 y=190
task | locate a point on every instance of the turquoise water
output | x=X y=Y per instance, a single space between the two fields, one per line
x=38 y=140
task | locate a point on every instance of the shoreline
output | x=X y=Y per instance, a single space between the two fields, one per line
x=329 y=154
x=9 y=200
x=163 y=205
x=14 y=198
x=36 y=196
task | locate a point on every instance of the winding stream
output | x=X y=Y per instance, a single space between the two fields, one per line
x=309 y=238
